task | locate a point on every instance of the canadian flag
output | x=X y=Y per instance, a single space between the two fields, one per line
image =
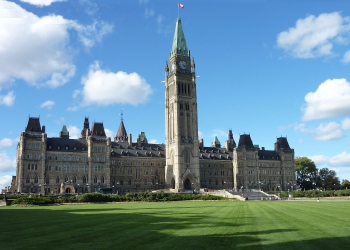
x=181 y=5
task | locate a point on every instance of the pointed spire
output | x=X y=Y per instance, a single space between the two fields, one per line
x=216 y=143
x=121 y=135
x=64 y=132
x=179 y=43
x=86 y=129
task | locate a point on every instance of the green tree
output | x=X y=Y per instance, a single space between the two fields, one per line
x=345 y=184
x=306 y=172
x=327 y=179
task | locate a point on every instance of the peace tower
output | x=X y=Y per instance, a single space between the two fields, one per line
x=181 y=122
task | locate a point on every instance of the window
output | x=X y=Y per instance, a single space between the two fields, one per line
x=95 y=179
x=102 y=179
x=47 y=179
x=36 y=167
x=186 y=156
x=57 y=179
x=28 y=166
x=145 y=182
x=28 y=179
x=74 y=179
x=66 y=179
x=84 y=179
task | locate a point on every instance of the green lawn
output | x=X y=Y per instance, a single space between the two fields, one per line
x=178 y=225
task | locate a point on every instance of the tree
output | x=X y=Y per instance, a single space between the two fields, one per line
x=306 y=172
x=345 y=184
x=327 y=179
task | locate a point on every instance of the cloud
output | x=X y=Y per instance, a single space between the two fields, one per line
x=105 y=88
x=154 y=141
x=6 y=163
x=331 y=99
x=90 y=7
x=109 y=133
x=59 y=121
x=324 y=132
x=301 y=141
x=36 y=49
x=73 y=108
x=6 y=142
x=346 y=57
x=41 y=3
x=319 y=159
x=313 y=36
x=7 y=100
x=340 y=160
x=200 y=135
x=74 y=132
x=149 y=13
x=48 y=104
x=5 y=181
x=219 y=133
x=345 y=124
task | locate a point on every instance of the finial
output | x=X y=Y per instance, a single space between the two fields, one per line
x=121 y=113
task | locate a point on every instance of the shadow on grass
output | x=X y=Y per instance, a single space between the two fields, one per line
x=82 y=227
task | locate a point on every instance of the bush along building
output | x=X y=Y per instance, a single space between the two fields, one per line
x=95 y=161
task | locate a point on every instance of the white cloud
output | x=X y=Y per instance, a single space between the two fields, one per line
x=5 y=181
x=36 y=49
x=319 y=159
x=106 y=88
x=48 y=104
x=109 y=133
x=219 y=133
x=59 y=121
x=346 y=57
x=7 y=100
x=313 y=36
x=6 y=163
x=6 y=142
x=153 y=141
x=332 y=98
x=301 y=141
x=73 y=108
x=340 y=160
x=345 y=124
x=324 y=132
x=200 y=135
x=90 y=7
x=41 y=3
x=74 y=132
x=149 y=13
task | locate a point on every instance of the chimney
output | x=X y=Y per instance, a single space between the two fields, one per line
x=130 y=140
x=201 y=143
x=262 y=148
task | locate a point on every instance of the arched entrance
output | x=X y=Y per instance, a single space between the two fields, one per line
x=172 y=183
x=68 y=191
x=187 y=184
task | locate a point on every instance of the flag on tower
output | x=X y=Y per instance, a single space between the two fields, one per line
x=181 y=5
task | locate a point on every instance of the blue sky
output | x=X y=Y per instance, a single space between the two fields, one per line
x=268 y=68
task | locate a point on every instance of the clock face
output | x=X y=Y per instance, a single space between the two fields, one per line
x=182 y=65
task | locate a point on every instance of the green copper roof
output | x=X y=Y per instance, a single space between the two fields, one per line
x=64 y=130
x=216 y=141
x=179 y=43
x=143 y=137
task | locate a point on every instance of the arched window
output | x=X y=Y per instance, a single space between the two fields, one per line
x=57 y=179
x=28 y=179
x=84 y=179
x=36 y=179
x=47 y=179
x=66 y=179
x=102 y=179
x=28 y=166
x=32 y=166
x=74 y=179
x=36 y=167
x=95 y=179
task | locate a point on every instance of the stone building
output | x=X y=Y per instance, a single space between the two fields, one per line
x=64 y=165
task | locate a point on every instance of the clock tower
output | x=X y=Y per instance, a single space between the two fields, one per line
x=181 y=119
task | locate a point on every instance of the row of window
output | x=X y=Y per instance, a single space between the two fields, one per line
x=33 y=157
x=214 y=165
x=99 y=149
x=66 y=147
x=136 y=163
x=33 y=146
x=67 y=168
x=66 y=158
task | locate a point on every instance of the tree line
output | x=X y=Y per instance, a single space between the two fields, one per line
x=309 y=177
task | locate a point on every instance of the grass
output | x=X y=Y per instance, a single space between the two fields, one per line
x=178 y=225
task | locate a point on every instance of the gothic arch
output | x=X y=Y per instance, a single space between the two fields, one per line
x=173 y=183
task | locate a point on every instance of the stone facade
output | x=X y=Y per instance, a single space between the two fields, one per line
x=93 y=161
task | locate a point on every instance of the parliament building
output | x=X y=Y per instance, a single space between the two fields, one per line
x=64 y=165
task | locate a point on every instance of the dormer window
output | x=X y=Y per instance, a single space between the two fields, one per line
x=49 y=146
x=75 y=148
x=82 y=149
x=66 y=148
x=58 y=147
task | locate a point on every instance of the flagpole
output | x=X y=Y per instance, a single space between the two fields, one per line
x=178 y=11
